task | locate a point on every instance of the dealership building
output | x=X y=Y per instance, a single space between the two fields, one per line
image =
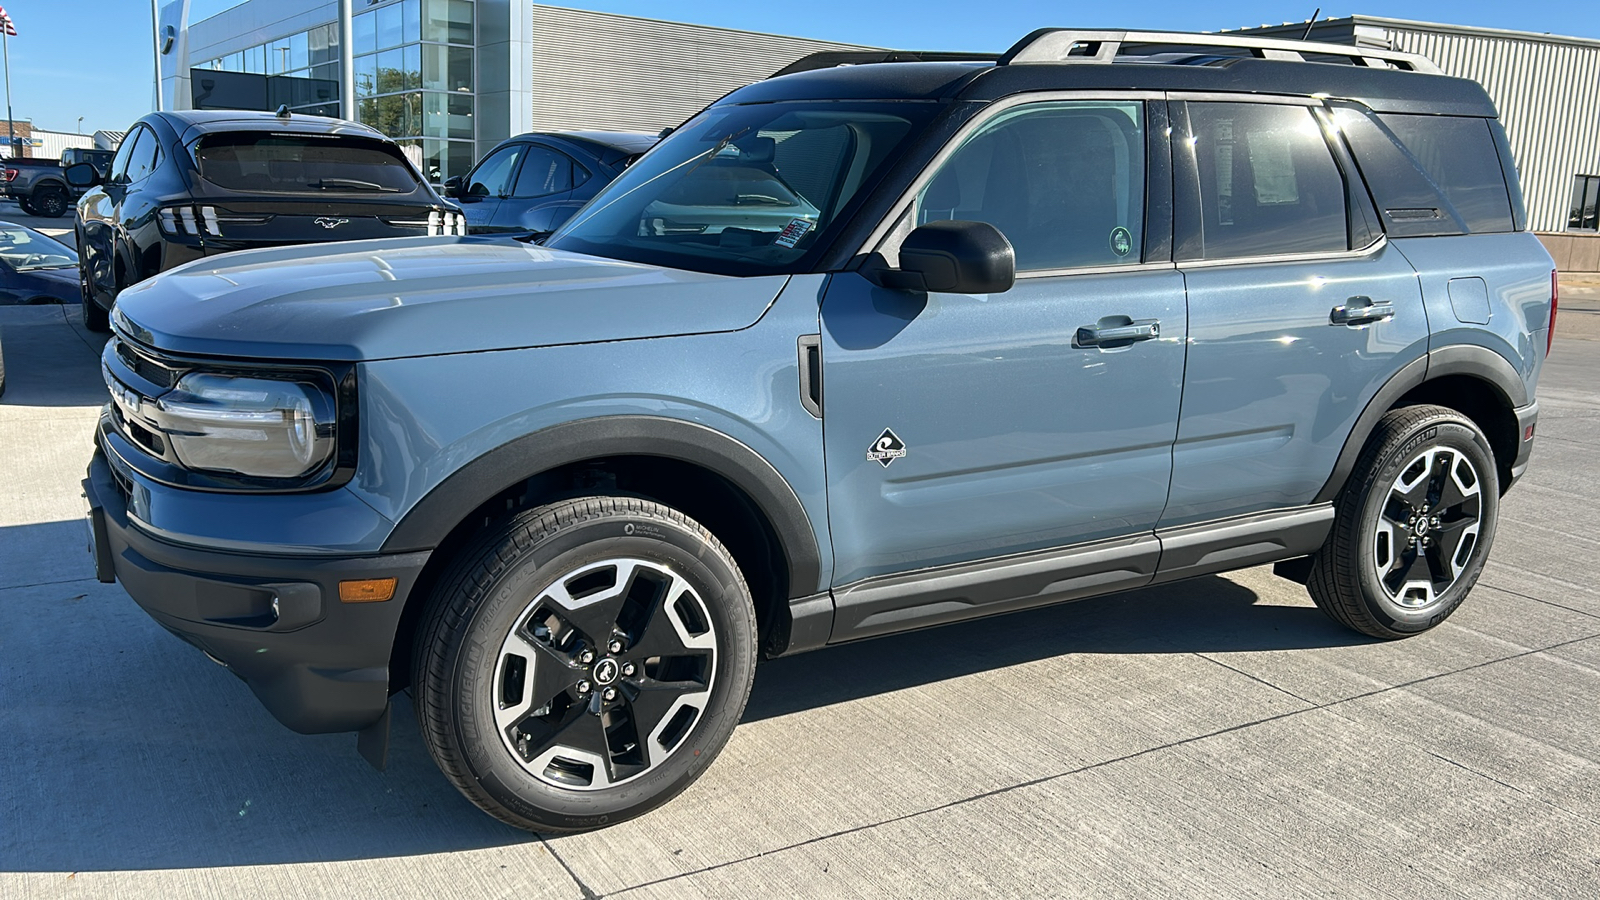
x=450 y=78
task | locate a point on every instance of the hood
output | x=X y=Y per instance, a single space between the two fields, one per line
x=368 y=300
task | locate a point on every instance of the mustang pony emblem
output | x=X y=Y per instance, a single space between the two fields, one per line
x=326 y=222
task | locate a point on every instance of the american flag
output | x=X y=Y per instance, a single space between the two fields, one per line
x=6 y=25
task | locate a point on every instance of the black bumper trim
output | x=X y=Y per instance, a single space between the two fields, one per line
x=316 y=664
x=1527 y=417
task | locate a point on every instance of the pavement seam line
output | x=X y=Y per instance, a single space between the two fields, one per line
x=1539 y=600
x=1258 y=680
x=588 y=893
x=962 y=801
x=18 y=587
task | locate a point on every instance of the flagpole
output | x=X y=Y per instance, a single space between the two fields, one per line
x=11 y=123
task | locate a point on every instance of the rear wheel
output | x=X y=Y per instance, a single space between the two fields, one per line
x=95 y=317
x=1413 y=527
x=584 y=662
x=25 y=206
x=49 y=202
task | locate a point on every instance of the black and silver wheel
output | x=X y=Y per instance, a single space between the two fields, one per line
x=585 y=662
x=51 y=203
x=1413 y=527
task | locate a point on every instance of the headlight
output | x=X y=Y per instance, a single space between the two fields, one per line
x=259 y=427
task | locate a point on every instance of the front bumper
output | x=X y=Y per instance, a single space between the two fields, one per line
x=318 y=665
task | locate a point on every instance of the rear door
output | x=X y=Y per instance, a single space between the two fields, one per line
x=544 y=184
x=1299 y=309
x=960 y=428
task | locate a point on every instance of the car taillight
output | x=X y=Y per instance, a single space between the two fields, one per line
x=202 y=221
x=11 y=174
x=1555 y=301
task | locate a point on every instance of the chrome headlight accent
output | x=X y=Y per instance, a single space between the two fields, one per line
x=258 y=427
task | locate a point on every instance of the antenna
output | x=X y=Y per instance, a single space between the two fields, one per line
x=1310 y=23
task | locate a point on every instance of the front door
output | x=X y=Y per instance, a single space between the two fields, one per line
x=960 y=428
x=488 y=185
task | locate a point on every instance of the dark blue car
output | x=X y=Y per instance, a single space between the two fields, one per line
x=35 y=268
x=532 y=182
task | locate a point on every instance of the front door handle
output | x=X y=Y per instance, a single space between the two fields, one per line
x=1360 y=311
x=1133 y=330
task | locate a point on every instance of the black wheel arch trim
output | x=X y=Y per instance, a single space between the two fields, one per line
x=1460 y=359
x=427 y=523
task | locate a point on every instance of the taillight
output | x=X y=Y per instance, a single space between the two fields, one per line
x=11 y=174
x=1555 y=301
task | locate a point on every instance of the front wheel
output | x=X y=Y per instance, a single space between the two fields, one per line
x=1413 y=527
x=584 y=662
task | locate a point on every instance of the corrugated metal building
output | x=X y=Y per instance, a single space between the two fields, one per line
x=451 y=78
x=1547 y=89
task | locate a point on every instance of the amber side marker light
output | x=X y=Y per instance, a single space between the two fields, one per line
x=371 y=590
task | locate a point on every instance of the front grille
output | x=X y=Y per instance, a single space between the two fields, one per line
x=147 y=367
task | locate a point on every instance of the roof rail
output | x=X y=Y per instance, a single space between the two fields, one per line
x=1069 y=45
x=828 y=59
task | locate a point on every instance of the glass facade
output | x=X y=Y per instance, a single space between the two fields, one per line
x=414 y=77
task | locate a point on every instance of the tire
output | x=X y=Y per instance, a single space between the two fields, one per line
x=50 y=202
x=1413 y=526
x=96 y=318
x=25 y=206
x=503 y=633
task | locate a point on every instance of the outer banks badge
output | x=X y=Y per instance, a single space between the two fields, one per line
x=887 y=448
x=1121 y=241
x=792 y=232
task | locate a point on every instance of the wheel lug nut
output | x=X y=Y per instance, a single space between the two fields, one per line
x=616 y=646
x=610 y=694
x=628 y=669
x=583 y=687
x=586 y=657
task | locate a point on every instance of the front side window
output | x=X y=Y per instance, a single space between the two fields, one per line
x=145 y=157
x=1585 y=214
x=492 y=177
x=1064 y=182
x=1268 y=182
x=119 y=163
x=746 y=190
x=292 y=163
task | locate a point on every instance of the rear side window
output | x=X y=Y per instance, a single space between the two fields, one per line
x=544 y=172
x=288 y=163
x=1430 y=175
x=1268 y=182
x=1064 y=182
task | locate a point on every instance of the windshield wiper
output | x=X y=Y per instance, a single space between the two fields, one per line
x=328 y=184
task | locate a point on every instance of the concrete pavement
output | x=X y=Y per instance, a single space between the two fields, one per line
x=1213 y=738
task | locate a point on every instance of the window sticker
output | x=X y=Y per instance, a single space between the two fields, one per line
x=1272 y=163
x=793 y=232
x=1121 y=241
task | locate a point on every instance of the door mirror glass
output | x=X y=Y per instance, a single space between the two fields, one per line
x=81 y=175
x=954 y=257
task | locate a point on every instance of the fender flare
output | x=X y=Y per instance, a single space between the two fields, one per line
x=1461 y=359
x=432 y=518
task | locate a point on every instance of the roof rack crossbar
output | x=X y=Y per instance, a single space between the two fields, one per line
x=1069 y=45
x=829 y=59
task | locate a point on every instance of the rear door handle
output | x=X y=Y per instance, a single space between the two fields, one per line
x=1101 y=335
x=1360 y=311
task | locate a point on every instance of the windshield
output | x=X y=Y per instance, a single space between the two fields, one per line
x=745 y=190
x=23 y=249
x=302 y=164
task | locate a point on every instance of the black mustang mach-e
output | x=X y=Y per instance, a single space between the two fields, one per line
x=186 y=185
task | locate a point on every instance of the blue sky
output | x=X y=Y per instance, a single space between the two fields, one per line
x=92 y=58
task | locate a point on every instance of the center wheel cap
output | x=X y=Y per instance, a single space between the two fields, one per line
x=1422 y=527
x=606 y=671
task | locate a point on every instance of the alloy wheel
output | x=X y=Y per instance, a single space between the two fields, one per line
x=1428 y=526
x=604 y=674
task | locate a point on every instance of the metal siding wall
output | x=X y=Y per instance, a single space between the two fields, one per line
x=57 y=141
x=1548 y=95
x=597 y=70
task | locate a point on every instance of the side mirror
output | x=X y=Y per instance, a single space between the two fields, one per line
x=452 y=186
x=954 y=257
x=81 y=175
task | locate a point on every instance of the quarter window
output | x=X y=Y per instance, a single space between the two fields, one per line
x=1268 y=182
x=1458 y=155
x=1064 y=182
x=1585 y=204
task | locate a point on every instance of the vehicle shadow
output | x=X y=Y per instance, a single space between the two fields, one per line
x=125 y=749
x=1202 y=615
x=51 y=360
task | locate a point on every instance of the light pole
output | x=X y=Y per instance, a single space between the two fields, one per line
x=80 y=124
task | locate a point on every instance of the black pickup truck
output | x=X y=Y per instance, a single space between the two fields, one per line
x=38 y=185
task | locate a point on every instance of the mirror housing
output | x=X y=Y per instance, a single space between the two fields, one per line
x=955 y=257
x=82 y=175
x=453 y=186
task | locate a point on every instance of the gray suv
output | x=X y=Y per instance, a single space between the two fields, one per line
x=856 y=350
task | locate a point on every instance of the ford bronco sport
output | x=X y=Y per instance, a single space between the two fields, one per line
x=856 y=350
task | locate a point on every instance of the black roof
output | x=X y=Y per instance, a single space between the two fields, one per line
x=628 y=142
x=1384 y=90
x=191 y=123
